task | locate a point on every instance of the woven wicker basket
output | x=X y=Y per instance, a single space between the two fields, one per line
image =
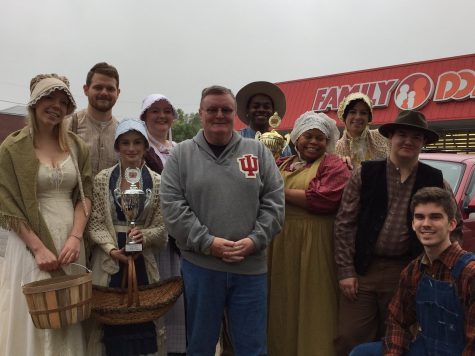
x=144 y=303
x=59 y=301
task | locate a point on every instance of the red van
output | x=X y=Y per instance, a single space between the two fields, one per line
x=459 y=172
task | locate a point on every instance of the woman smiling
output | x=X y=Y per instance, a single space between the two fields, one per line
x=158 y=113
x=45 y=190
x=108 y=230
x=358 y=142
x=303 y=290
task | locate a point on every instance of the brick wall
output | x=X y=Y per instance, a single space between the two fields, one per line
x=10 y=123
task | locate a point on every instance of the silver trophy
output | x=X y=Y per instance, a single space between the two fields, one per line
x=132 y=202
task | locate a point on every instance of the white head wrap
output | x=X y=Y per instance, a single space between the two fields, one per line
x=312 y=120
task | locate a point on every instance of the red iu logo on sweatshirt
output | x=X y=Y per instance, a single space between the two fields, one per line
x=249 y=165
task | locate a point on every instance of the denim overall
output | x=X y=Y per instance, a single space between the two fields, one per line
x=440 y=314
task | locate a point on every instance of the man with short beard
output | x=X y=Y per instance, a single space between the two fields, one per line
x=95 y=124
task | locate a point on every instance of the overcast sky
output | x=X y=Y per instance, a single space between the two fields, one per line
x=178 y=47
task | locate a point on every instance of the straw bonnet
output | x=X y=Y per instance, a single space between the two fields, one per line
x=410 y=119
x=263 y=88
x=45 y=84
x=352 y=97
x=127 y=125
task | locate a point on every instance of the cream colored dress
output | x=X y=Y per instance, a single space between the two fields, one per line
x=18 y=335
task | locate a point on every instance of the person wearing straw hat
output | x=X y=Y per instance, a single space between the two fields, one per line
x=256 y=103
x=108 y=230
x=45 y=200
x=358 y=142
x=158 y=113
x=374 y=239
x=302 y=276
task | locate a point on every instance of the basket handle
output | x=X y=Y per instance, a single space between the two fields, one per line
x=133 y=292
x=55 y=273
x=132 y=285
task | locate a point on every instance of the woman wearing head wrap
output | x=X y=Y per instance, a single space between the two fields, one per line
x=358 y=142
x=45 y=191
x=303 y=289
x=108 y=229
x=158 y=113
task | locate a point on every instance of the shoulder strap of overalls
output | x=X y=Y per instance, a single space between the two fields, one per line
x=461 y=263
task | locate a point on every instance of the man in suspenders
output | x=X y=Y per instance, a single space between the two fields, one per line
x=435 y=299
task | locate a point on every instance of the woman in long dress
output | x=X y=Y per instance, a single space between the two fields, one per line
x=358 y=142
x=158 y=113
x=45 y=190
x=303 y=289
x=108 y=229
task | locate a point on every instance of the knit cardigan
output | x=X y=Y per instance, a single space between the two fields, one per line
x=102 y=234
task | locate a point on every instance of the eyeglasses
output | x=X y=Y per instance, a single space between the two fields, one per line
x=214 y=111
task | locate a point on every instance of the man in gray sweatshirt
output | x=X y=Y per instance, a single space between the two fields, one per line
x=222 y=199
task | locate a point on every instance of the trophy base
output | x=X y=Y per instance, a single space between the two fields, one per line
x=133 y=248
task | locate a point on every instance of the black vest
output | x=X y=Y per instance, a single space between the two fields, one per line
x=374 y=206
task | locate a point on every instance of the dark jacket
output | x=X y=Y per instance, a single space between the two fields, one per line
x=153 y=161
x=374 y=205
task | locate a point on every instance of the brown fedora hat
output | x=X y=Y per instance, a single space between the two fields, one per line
x=266 y=88
x=410 y=119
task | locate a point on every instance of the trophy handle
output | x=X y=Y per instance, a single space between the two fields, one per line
x=117 y=196
x=148 y=197
x=287 y=141
x=258 y=135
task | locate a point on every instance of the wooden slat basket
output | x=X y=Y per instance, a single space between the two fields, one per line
x=59 y=301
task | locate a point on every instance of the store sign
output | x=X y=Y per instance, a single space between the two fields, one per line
x=455 y=86
x=412 y=92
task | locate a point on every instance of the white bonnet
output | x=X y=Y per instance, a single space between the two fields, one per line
x=153 y=98
x=312 y=120
x=127 y=125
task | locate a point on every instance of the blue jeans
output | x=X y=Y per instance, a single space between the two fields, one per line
x=208 y=293
x=417 y=348
x=368 y=349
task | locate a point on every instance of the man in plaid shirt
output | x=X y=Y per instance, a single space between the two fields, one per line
x=436 y=291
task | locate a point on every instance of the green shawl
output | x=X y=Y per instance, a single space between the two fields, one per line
x=18 y=175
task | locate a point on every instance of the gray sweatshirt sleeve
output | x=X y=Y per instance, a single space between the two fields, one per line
x=180 y=221
x=272 y=203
